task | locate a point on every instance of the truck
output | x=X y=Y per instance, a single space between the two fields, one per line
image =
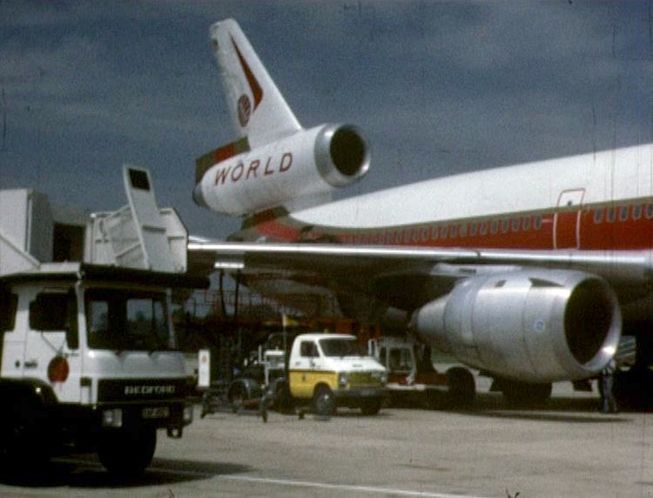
x=413 y=379
x=323 y=371
x=88 y=358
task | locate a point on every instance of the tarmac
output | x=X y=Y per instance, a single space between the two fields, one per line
x=565 y=449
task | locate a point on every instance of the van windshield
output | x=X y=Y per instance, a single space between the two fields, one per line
x=340 y=346
x=127 y=320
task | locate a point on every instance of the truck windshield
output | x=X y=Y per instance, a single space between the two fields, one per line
x=127 y=320
x=340 y=347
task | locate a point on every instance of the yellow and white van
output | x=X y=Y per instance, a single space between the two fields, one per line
x=331 y=370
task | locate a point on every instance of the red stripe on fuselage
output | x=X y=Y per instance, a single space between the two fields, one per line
x=627 y=226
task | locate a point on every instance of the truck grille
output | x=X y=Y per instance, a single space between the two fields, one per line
x=360 y=379
x=126 y=390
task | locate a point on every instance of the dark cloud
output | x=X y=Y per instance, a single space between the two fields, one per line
x=439 y=87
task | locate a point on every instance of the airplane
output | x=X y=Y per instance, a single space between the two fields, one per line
x=529 y=273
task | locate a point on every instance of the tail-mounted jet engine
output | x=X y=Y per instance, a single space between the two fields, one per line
x=531 y=325
x=310 y=163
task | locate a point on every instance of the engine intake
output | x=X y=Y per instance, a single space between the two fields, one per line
x=341 y=154
x=530 y=325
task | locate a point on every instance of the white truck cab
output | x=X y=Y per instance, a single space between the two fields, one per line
x=88 y=357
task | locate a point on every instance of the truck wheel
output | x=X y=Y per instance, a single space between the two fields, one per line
x=24 y=437
x=127 y=453
x=462 y=388
x=324 y=402
x=371 y=406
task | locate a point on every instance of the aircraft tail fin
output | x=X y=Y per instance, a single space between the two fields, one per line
x=258 y=110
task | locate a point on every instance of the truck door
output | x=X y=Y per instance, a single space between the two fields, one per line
x=302 y=369
x=566 y=223
x=52 y=343
x=12 y=342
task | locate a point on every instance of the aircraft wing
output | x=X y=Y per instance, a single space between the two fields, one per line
x=634 y=267
x=408 y=277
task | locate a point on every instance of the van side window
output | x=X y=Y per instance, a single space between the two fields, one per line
x=308 y=349
x=8 y=305
x=55 y=311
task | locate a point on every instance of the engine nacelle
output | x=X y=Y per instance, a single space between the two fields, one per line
x=532 y=325
x=307 y=164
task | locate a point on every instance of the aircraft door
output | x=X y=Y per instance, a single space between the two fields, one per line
x=566 y=223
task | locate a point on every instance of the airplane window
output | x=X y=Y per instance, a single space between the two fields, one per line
x=434 y=233
x=623 y=213
x=462 y=231
x=483 y=228
x=637 y=212
x=598 y=215
x=473 y=229
x=425 y=234
x=612 y=215
x=453 y=231
x=505 y=225
x=494 y=227
x=526 y=223
x=538 y=222
x=443 y=232
x=515 y=224
x=649 y=211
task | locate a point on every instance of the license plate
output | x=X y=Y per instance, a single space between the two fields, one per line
x=156 y=412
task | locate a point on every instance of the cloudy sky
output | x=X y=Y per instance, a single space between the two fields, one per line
x=438 y=87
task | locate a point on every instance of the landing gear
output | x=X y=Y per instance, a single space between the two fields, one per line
x=524 y=394
x=634 y=388
x=461 y=387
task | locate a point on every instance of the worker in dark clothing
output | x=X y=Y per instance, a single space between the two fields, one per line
x=608 y=403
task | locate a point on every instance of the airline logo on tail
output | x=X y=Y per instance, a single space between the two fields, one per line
x=244 y=105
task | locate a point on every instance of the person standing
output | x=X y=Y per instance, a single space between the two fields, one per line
x=608 y=403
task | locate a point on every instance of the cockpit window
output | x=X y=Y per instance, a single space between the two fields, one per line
x=120 y=319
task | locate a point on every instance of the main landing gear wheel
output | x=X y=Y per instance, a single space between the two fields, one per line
x=524 y=394
x=462 y=388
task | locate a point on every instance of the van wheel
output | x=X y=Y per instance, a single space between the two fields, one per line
x=127 y=453
x=324 y=402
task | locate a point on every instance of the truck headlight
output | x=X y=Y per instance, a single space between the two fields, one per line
x=112 y=418
x=343 y=379
x=188 y=414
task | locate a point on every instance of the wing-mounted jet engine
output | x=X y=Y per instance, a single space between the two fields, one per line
x=536 y=326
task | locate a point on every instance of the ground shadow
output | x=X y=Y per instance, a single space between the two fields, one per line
x=86 y=472
x=557 y=409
